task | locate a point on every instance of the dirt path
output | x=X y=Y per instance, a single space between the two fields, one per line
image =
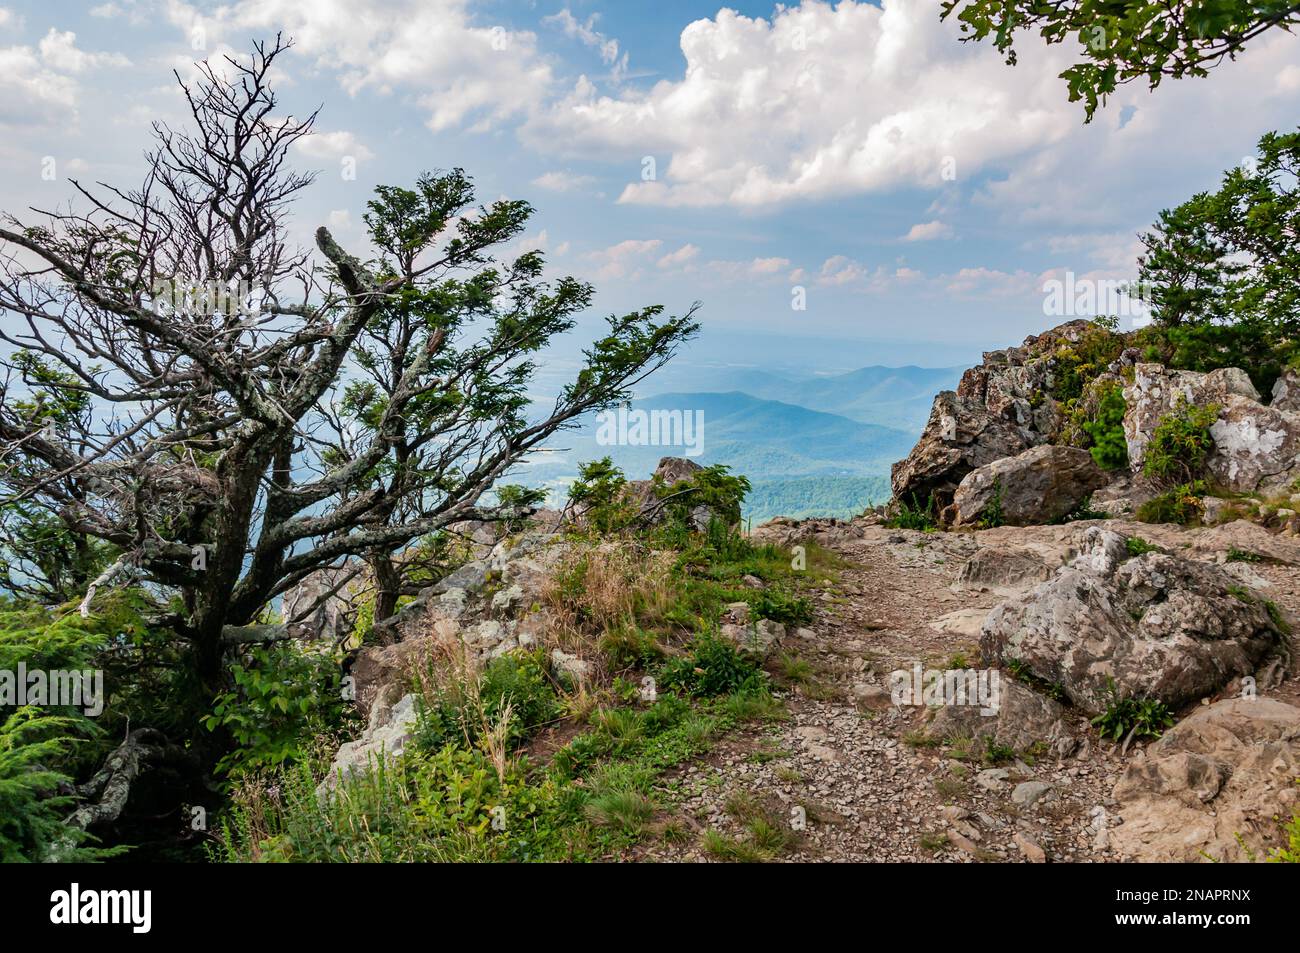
x=849 y=773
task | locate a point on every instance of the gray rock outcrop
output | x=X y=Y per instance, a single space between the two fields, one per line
x=1155 y=625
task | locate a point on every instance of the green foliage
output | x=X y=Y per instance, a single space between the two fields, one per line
x=518 y=498
x=1236 y=555
x=1140 y=717
x=44 y=561
x=1144 y=40
x=31 y=813
x=1137 y=546
x=1076 y=364
x=780 y=606
x=438 y=807
x=911 y=515
x=282 y=696
x=1290 y=854
x=1084 y=511
x=992 y=516
x=629 y=646
x=712 y=667
x=601 y=493
x=459 y=713
x=1106 y=430
x=713 y=487
x=1221 y=269
x=1180 y=443
x=146 y=680
x=1180 y=505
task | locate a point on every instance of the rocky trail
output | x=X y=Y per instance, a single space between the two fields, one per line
x=858 y=778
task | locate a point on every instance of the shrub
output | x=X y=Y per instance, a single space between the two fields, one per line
x=912 y=515
x=521 y=499
x=1109 y=447
x=713 y=487
x=31 y=814
x=713 y=667
x=780 y=606
x=512 y=694
x=1180 y=443
x=282 y=696
x=1179 y=505
x=628 y=646
x=448 y=805
x=601 y=493
x=992 y=516
x=1076 y=364
x=1137 y=546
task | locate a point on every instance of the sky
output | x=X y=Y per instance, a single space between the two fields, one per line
x=913 y=192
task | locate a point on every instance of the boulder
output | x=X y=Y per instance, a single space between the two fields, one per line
x=1247 y=537
x=1155 y=625
x=1032 y=488
x=1256 y=446
x=1001 y=408
x=1218 y=785
x=757 y=638
x=322 y=607
x=385 y=737
x=1024 y=720
x=959 y=437
x=1005 y=567
x=1286 y=392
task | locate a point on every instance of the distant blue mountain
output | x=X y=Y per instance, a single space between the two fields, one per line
x=897 y=397
x=801 y=461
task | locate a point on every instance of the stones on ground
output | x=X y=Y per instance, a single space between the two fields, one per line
x=1156 y=626
x=993 y=779
x=1029 y=793
x=1005 y=567
x=571 y=667
x=965 y=622
x=758 y=638
x=1029 y=848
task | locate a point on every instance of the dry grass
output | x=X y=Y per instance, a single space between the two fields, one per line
x=609 y=585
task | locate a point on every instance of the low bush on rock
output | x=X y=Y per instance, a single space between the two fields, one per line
x=1180 y=444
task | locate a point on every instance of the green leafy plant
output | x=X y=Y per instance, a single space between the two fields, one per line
x=513 y=688
x=1180 y=443
x=517 y=500
x=32 y=824
x=1109 y=447
x=780 y=606
x=1137 y=546
x=912 y=515
x=712 y=667
x=714 y=487
x=282 y=695
x=1136 y=717
x=1180 y=505
x=1134 y=41
x=600 y=495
